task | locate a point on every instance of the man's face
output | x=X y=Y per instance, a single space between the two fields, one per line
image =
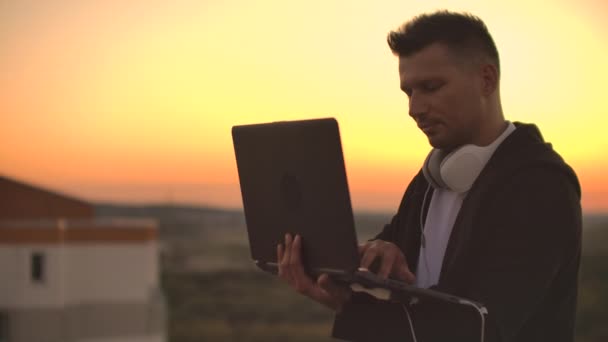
x=445 y=96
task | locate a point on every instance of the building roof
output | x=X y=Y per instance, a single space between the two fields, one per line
x=33 y=215
x=19 y=200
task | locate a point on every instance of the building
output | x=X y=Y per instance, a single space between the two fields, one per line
x=69 y=277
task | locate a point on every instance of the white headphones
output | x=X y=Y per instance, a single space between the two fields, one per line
x=456 y=170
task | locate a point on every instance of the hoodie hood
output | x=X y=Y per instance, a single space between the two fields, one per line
x=533 y=151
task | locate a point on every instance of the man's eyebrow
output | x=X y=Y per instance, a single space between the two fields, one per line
x=418 y=82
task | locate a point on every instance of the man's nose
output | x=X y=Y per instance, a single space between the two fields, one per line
x=417 y=106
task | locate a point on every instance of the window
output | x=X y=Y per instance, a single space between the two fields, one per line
x=3 y=327
x=37 y=267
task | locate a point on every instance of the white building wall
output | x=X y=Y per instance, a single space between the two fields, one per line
x=111 y=272
x=8 y=270
x=77 y=274
x=19 y=290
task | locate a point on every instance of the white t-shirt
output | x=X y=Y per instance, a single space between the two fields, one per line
x=443 y=210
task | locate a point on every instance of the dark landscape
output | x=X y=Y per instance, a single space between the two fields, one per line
x=215 y=293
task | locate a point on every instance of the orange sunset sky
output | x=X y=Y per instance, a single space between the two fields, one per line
x=133 y=101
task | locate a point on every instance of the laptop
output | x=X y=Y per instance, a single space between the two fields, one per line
x=293 y=180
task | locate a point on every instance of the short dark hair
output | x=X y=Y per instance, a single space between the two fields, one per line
x=460 y=32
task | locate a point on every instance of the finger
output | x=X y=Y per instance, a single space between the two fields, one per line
x=301 y=280
x=336 y=295
x=285 y=260
x=404 y=273
x=323 y=279
x=296 y=251
x=363 y=247
x=288 y=239
x=279 y=252
x=329 y=285
x=368 y=257
x=387 y=264
x=287 y=249
x=279 y=258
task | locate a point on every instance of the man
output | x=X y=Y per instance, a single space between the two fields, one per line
x=493 y=216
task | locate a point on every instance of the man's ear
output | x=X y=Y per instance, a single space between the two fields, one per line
x=489 y=78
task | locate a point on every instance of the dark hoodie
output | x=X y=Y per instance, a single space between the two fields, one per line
x=515 y=247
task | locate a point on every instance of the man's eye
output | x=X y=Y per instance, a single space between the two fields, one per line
x=431 y=86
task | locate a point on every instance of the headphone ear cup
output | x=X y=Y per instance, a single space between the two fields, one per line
x=432 y=168
x=456 y=170
x=460 y=169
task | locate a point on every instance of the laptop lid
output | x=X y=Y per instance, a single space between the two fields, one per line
x=293 y=180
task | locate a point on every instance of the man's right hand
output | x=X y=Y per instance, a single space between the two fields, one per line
x=291 y=269
x=391 y=257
